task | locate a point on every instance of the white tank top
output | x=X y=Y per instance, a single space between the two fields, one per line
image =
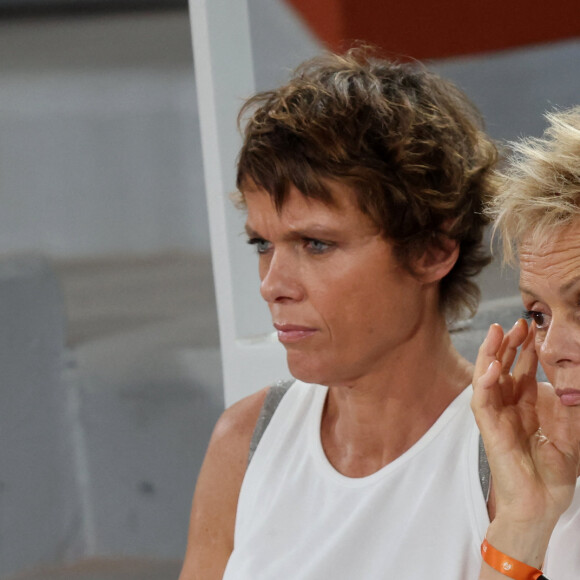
x=563 y=556
x=421 y=516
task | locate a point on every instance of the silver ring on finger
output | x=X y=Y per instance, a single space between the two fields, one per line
x=540 y=435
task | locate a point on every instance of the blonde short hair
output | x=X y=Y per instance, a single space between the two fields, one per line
x=540 y=189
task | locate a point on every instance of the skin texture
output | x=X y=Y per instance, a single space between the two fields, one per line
x=550 y=287
x=329 y=270
x=351 y=318
x=534 y=473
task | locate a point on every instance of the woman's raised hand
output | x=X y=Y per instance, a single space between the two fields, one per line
x=533 y=469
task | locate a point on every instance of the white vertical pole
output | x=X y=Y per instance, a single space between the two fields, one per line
x=251 y=357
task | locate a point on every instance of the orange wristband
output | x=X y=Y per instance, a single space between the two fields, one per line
x=506 y=565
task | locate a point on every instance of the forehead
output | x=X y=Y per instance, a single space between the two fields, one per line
x=297 y=208
x=553 y=257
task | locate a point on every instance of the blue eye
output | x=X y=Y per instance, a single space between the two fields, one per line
x=262 y=246
x=316 y=246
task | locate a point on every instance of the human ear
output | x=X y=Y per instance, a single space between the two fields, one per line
x=437 y=260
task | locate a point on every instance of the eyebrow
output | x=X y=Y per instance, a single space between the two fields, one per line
x=250 y=232
x=524 y=290
x=570 y=284
x=309 y=231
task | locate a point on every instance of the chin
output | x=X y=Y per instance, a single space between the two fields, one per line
x=308 y=376
x=308 y=371
x=319 y=375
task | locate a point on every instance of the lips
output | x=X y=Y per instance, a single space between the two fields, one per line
x=292 y=333
x=569 y=397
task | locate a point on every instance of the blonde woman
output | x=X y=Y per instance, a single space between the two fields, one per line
x=532 y=431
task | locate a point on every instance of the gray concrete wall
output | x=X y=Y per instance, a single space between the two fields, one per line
x=41 y=510
x=101 y=441
x=145 y=416
x=99 y=145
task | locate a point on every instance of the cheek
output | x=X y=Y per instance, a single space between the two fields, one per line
x=263 y=265
x=538 y=347
x=556 y=375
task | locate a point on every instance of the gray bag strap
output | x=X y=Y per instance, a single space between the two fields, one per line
x=275 y=394
x=277 y=391
x=484 y=471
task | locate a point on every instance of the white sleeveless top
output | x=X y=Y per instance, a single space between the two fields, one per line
x=421 y=516
x=563 y=556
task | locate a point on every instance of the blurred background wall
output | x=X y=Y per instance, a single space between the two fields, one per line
x=110 y=350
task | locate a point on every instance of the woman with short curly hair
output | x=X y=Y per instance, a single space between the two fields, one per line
x=363 y=182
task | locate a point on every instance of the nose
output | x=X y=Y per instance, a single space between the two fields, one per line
x=561 y=344
x=280 y=278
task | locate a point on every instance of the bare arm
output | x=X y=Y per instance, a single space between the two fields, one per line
x=534 y=472
x=211 y=529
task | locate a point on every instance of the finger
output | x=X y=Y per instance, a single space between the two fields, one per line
x=506 y=355
x=510 y=344
x=488 y=350
x=525 y=369
x=525 y=384
x=486 y=389
x=487 y=397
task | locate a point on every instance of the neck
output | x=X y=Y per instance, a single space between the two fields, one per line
x=376 y=418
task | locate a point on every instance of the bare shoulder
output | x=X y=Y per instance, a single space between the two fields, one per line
x=238 y=422
x=213 y=513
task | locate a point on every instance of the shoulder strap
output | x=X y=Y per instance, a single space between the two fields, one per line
x=484 y=471
x=275 y=394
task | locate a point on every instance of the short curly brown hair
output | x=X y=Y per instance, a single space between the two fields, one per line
x=409 y=143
